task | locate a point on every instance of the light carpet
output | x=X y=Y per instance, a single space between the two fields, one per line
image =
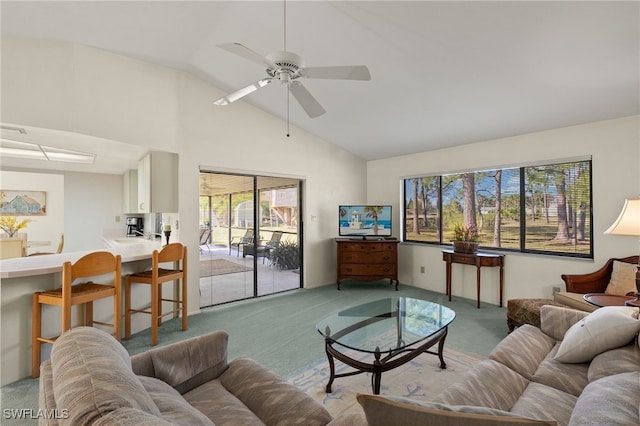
x=212 y=267
x=421 y=379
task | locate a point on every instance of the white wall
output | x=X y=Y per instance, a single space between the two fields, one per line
x=615 y=149
x=40 y=228
x=102 y=94
x=92 y=204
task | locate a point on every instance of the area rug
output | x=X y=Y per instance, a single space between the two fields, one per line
x=421 y=379
x=209 y=268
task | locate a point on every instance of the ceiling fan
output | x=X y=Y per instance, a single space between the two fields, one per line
x=289 y=68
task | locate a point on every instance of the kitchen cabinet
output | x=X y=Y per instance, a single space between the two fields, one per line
x=130 y=191
x=158 y=183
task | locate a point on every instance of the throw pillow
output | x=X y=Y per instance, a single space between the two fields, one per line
x=623 y=279
x=606 y=328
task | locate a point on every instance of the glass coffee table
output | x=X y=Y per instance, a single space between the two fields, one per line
x=384 y=334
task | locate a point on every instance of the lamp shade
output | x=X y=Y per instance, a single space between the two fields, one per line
x=628 y=223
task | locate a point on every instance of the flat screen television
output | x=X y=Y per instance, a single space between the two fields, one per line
x=364 y=221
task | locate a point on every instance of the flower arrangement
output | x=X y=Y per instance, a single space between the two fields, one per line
x=465 y=233
x=10 y=224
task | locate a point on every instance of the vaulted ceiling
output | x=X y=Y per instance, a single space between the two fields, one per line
x=443 y=73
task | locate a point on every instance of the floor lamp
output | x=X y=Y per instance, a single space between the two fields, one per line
x=628 y=223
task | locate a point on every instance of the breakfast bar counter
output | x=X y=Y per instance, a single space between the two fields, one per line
x=21 y=277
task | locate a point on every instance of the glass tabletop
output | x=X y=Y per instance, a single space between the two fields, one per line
x=386 y=325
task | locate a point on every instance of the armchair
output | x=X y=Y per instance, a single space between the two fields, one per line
x=577 y=285
x=594 y=282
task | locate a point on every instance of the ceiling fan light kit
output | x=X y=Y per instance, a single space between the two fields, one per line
x=289 y=68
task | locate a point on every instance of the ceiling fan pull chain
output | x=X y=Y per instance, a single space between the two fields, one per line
x=288 y=97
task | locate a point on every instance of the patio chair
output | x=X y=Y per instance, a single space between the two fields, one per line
x=204 y=238
x=271 y=244
x=264 y=250
x=240 y=242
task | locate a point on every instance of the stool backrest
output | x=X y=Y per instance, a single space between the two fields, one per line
x=92 y=264
x=174 y=252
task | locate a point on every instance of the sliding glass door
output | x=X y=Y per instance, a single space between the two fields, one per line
x=250 y=236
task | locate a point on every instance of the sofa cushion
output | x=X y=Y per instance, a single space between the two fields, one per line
x=607 y=328
x=190 y=362
x=574 y=300
x=569 y=378
x=384 y=411
x=540 y=401
x=92 y=378
x=623 y=279
x=274 y=400
x=617 y=399
x=173 y=407
x=555 y=321
x=523 y=350
x=130 y=416
x=220 y=405
x=488 y=384
x=615 y=361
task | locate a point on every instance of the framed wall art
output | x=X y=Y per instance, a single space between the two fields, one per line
x=23 y=203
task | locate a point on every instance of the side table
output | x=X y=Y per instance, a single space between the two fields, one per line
x=477 y=259
x=633 y=302
x=602 y=299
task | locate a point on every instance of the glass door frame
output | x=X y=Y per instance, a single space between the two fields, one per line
x=294 y=182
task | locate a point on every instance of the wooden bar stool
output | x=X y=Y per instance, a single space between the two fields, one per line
x=91 y=265
x=176 y=253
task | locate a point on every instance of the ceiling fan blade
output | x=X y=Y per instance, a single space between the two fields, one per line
x=232 y=97
x=245 y=52
x=354 y=72
x=306 y=100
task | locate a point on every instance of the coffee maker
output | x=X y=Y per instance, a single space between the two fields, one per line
x=135 y=226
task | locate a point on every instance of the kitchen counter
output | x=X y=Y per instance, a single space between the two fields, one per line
x=21 y=277
x=132 y=249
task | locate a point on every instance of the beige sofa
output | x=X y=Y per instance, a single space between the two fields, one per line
x=523 y=383
x=91 y=379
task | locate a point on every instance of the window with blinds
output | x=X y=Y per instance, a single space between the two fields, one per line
x=542 y=208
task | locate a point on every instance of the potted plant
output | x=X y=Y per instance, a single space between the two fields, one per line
x=10 y=225
x=465 y=239
x=285 y=255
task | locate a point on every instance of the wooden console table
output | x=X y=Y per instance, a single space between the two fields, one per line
x=477 y=259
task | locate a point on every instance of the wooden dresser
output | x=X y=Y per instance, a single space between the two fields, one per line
x=367 y=260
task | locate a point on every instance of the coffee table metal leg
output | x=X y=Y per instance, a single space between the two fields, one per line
x=443 y=365
x=332 y=368
x=376 y=376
